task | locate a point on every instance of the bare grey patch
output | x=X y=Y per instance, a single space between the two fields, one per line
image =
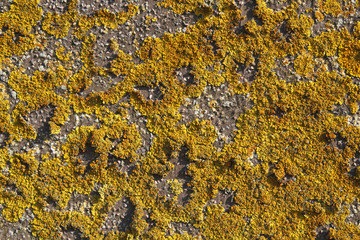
x=354 y=163
x=80 y=203
x=122 y=165
x=39 y=120
x=3 y=138
x=181 y=228
x=340 y=110
x=5 y=6
x=254 y=159
x=119 y=217
x=51 y=205
x=37 y=60
x=150 y=93
x=284 y=69
x=88 y=7
x=179 y=172
x=88 y=156
x=79 y=119
x=354 y=213
x=218 y=106
x=247 y=11
x=151 y=21
x=151 y=223
x=146 y=136
x=322 y=232
x=278 y=5
x=225 y=198
x=103 y=53
x=100 y=84
x=53 y=6
x=18 y=230
x=70 y=232
x=185 y=76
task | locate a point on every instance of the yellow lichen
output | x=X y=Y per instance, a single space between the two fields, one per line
x=57 y=25
x=304 y=65
x=61 y=56
x=114 y=45
x=175 y=187
x=349 y=56
x=332 y=7
x=319 y=16
x=285 y=170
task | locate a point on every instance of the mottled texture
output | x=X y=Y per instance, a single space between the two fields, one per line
x=203 y=119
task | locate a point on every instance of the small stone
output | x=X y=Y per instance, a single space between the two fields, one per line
x=13 y=94
x=42 y=54
x=227 y=104
x=77 y=120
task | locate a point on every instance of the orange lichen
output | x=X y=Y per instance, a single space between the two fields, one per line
x=332 y=7
x=349 y=55
x=301 y=178
x=319 y=16
x=356 y=30
x=114 y=45
x=61 y=56
x=16 y=25
x=107 y=18
x=150 y=19
x=304 y=65
x=326 y=43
